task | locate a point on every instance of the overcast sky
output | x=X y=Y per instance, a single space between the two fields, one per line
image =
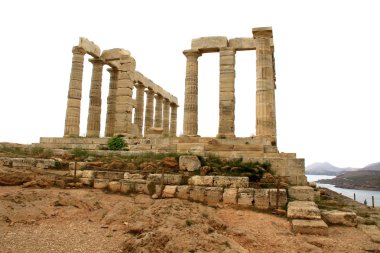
x=327 y=64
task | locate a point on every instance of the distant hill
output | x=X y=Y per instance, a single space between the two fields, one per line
x=372 y=166
x=360 y=179
x=326 y=169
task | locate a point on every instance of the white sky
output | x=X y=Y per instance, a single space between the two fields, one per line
x=327 y=63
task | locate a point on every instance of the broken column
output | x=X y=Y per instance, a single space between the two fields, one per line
x=265 y=84
x=190 y=119
x=166 y=114
x=111 y=102
x=139 y=110
x=95 y=106
x=173 y=120
x=75 y=93
x=149 y=110
x=158 y=112
x=227 y=93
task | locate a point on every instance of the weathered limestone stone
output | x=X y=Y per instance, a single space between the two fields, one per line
x=197 y=193
x=310 y=227
x=230 y=196
x=114 y=186
x=166 y=115
x=115 y=54
x=173 y=179
x=75 y=93
x=128 y=175
x=213 y=196
x=282 y=197
x=90 y=47
x=304 y=193
x=189 y=163
x=127 y=187
x=227 y=93
x=173 y=120
x=149 y=110
x=224 y=181
x=139 y=107
x=80 y=165
x=265 y=84
x=95 y=107
x=88 y=174
x=101 y=183
x=242 y=43
x=209 y=44
x=111 y=102
x=183 y=192
x=158 y=111
x=87 y=181
x=261 y=198
x=340 y=218
x=201 y=180
x=169 y=191
x=190 y=118
x=307 y=210
x=245 y=196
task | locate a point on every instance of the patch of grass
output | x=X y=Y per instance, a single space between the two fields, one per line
x=79 y=153
x=116 y=143
x=189 y=223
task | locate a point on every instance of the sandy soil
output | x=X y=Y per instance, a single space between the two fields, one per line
x=87 y=220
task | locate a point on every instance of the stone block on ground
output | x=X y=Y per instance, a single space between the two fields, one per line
x=282 y=197
x=169 y=191
x=172 y=179
x=197 y=193
x=303 y=193
x=114 y=186
x=189 y=163
x=310 y=227
x=88 y=173
x=214 y=196
x=87 y=181
x=45 y=163
x=336 y=217
x=80 y=165
x=230 y=196
x=245 y=196
x=128 y=175
x=261 y=198
x=223 y=181
x=183 y=192
x=303 y=210
x=127 y=187
x=101 y=183
x=201 y=180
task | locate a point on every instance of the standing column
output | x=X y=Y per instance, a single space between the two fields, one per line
x=111 y=102
x=190 y=117
x=149 y=110
x=139 y=110
x=158 y=111
x=265 y=85
x=227 y=93
x=173 y=120
x=165 y=124
x=75 y=93
x=95 y=107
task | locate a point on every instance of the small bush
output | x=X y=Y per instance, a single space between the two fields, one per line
x=80 y=153
x=116 y=143
x=189 y=222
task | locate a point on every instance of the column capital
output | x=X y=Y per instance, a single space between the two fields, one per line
x=173 y=105
x=139 y=85
x=149 y=91
x=78 y=50
x=112 y=70
x=96 y=61
x=192 y=53
x=262 y=32
x=158 y=96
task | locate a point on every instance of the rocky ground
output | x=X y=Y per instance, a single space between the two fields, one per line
x=40 y=218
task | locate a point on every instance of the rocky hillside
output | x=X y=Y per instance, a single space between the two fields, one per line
x=325 y=169
x=361 y=180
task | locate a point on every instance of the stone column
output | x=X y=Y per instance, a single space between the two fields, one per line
x=75 y=93
x=173 y=120
x=139 y=110
x=149 y=110
x=165 y=124
x=111 y=102
x=227 y=93
x=124 y=103
x=95 y=107
x=190 y=117
x=265 y=85
x=158 y=112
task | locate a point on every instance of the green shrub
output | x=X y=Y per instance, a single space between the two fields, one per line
x=116 y=143
x=80 y=153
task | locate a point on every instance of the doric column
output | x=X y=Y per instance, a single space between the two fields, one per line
x=173 y=120
x=124 y=101
x=139 y=110
x=149 y=110
x=95 y=107
x=75 y=93
x=265 y=85
x=190 y=117
x=111 y=102
x=165 y=124
x=227 y=92
x=158 y=111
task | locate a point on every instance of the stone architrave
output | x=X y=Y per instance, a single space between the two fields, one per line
x=227 y=93
x=166 y=115
x=139 y=110
x=75 y=93
x=149 y=110
x=158 y=112
x=190 y=119
x=124 y=101
x=95 y=107
x=173 y=120
x=111 y=102
x=265 y=85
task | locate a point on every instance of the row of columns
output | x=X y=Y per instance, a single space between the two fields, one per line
x=265 y=87
x=119 y=102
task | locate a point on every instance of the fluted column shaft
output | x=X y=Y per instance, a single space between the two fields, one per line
x=74 y=97
x=111 y=102
x=173 y=120
x=95 y=106
x=265 y=85
x=158 y=111
x=227 y=93
x=149 y=110
x=190 y=118
x=165 y=124
x=139 y=110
